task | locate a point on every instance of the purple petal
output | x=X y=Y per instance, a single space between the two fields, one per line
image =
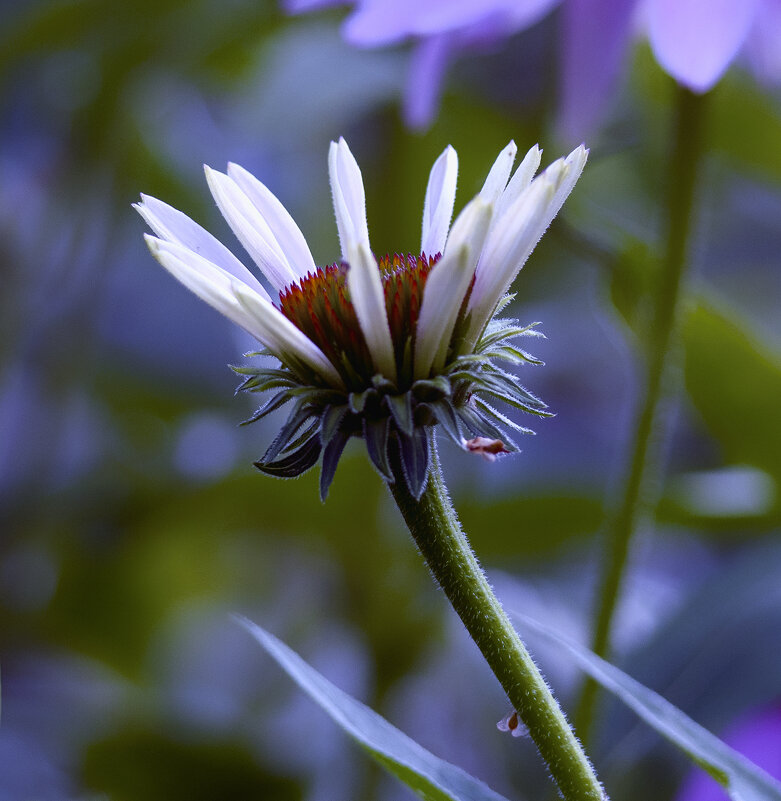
x=430 y=60
x=528 y=13
x=763 y=47
x=757 y=737
x=379 y=22
x=695 y=40
x=304 y=6
x=595 y=34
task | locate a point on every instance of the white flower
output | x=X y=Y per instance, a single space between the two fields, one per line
x=387 y=331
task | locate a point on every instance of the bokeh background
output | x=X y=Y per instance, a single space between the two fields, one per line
x=133 y=522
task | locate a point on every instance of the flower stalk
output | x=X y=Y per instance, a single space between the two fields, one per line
x=434 y=526
x=643 y=469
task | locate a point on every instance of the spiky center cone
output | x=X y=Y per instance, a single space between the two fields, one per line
x=320 y=306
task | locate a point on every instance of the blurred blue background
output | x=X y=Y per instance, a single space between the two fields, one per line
x=133 y=522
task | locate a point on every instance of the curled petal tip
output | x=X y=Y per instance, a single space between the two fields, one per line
x=153 y=243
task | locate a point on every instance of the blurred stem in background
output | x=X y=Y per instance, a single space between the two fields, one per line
x=437 y=532
x=642 y=475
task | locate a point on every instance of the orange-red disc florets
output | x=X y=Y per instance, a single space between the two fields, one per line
x=320 y=306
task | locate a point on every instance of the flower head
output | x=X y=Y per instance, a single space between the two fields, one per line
x=441 y=31
x=382 y=349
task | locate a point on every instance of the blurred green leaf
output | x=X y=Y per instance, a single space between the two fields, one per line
x=430 y=777
x=743 y=780
x=745 y=126
x=549 y=523
x=734 y=380
x=632 y=285
x=47 y=27
x=145 y=765
x=732 y=376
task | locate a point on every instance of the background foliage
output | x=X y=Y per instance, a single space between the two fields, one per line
x=133 y=523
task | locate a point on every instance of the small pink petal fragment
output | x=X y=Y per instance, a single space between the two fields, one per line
x=512 y=723
x=489 y=449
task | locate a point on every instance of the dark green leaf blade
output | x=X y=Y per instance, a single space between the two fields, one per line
x=431 y=778
x=743 y=780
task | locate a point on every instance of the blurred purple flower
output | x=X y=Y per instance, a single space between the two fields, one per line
x=695 y=41
x=757 y=737
x=441 y=30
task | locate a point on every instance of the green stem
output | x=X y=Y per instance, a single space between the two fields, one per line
x=442 y=543
x=643 y=471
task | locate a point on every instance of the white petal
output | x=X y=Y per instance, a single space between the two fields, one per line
x=251 y=229
x=515 y=235
x=575 y=163
x=497 y=177
x=171 y=224
x=368 y=299
x=287 y=234
x=282 y=337
x=210 y=282
x=447 y=285
x=348 y=196
x=438 y=206
x=520 y=180
x=242 y=305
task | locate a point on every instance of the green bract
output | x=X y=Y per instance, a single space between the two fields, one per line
x=322 y=420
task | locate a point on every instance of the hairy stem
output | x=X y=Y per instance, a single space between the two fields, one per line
x=643 y=470
x=442 y=543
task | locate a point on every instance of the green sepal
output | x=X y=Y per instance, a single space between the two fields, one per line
x=469 y=361
x=295 y=463
x=375 y=432
x=302 y=437
x=428 y=390
x=400 y=407
x=509 y=353
x=488 y=411
x=504 y=302
x=300 y=414
x=501 y=330
x=510 y=385
x=447 y=418
x=358 y=400
x=274 y=403
x=383 y=385
x=330 y=421
x=415 y=460
x=264 y=383
x=482 y=427
x=331 y=455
